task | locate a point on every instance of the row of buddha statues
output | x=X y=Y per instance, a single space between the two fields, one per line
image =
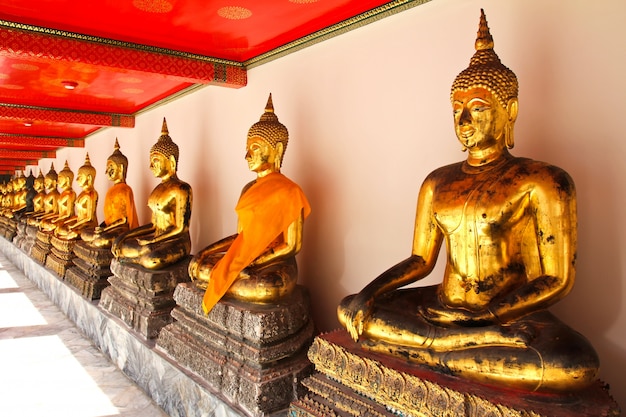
x=508 y=225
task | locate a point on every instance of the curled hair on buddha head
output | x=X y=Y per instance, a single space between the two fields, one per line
x=165 y=146
x=67 y=172
x=269 y=128
x=52 y=174
x=87 y=168
x=485 y=69
x=119 y=158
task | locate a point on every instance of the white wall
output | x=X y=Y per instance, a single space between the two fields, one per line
x=369 y=117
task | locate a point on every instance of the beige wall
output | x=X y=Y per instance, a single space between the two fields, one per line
x=369 y=117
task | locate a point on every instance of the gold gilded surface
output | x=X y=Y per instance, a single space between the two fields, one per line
x=165 y=240
x=509 y=226
x=348 y=383
x=85 y=205
x=64 y=201
x=50 y=198
x=258 y=263
x=120 y=213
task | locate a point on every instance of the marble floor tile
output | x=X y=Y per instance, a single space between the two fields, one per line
x=49 y=368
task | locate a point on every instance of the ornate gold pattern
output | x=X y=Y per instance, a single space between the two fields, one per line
x=154 y=6
x=402 y=393
x=234 y=12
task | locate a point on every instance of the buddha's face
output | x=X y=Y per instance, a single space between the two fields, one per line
x=65 y=182
x=83 y=179
x=160 y=165
x=479 y=118
x=261 y=156
x=114 y=171
x=39 y=185
x=50 y=183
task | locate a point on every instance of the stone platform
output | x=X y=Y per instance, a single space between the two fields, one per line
x=91 y=271
x=254 y=355
x=141 y=298
x=351 y=381
x=175 y=389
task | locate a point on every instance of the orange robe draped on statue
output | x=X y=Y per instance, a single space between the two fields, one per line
x=116 y=204
x=265 y=211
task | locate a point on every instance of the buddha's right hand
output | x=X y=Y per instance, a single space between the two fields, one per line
x=357 y=314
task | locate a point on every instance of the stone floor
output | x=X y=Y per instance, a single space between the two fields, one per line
x=49 y=368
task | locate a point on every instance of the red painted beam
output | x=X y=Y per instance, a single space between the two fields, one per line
x=16 y=112
x=26 y=155
x=8 y=141
x=47 y=44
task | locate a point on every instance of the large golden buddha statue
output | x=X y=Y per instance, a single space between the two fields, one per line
x=65 y=201
x=85 y=205
x=40 y=194
x=50 y=198
x=258 y=263
x=509 y=225
x=120 y=213
x=165 y=240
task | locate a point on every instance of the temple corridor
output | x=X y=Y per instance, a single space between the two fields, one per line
x=48 y=367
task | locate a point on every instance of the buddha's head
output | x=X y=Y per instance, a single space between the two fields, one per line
x=86 y=173
x=267 y=142
x=164 y=155
x=66 y=176
x=117 y=164
x=51 y=179
x=39 y=183
x=484 y=96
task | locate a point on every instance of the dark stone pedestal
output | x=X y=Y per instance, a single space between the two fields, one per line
x=20 y=235
x=351 y=381
x=141 y=298
x=10 y=229
x=61 y=255
x=252 y=355
x=41 y=248
x=91 y=271
x=30 y=238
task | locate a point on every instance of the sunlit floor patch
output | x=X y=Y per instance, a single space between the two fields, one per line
x=16 y=310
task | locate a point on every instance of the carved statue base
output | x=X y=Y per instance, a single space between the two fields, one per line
x=10 y=228
x=141 y=298
x=20 y=233
x=31 y=238
x=41 y=248
x=61 y=255
x=351 y=381
x=91 y=271
x=254 y=355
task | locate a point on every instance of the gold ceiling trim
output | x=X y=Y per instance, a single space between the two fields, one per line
x=347 y=25
x=111 y=42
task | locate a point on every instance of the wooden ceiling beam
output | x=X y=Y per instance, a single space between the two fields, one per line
x=17 y=142
x=31 y=113
x=6 y=154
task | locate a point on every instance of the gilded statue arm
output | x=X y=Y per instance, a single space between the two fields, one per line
x=90 y=209
x=183 y=198
x=554 y=202
x=289 y=247
x=427 y=240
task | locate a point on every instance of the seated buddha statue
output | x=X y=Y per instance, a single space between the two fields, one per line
x=50 y=198
x=8 y=200
x=509 y=225
x=19 y=195
x=165 y=240
x=40 y=194
x=85 y=205
x=258 y=264
x=65 y=202
x=120 y=213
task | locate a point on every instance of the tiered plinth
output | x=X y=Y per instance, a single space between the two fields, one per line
x=9 y=228
x=252 y=355
x=141 y=298
x=91 y=271
x=61 y=255
x=42 y=246
x=29 y=240
x=352 y=381
x=20 y=233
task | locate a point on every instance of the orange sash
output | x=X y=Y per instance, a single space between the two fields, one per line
x=119 y=203
x=265 y=211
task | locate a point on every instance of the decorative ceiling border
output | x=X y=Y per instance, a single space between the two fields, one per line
x=347 y=25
